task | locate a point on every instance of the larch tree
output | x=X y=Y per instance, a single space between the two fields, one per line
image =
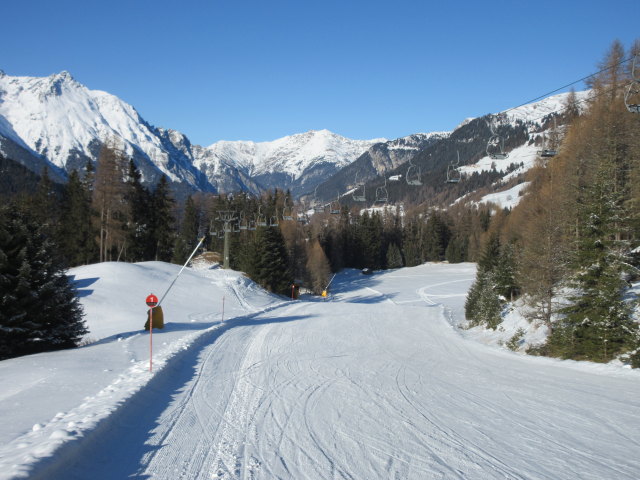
x=109 y=203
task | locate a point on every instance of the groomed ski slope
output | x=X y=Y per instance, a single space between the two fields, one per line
x=372 y=383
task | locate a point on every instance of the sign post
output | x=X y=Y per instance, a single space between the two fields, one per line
x=151 y=301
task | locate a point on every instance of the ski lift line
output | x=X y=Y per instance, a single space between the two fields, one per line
x=569 y=84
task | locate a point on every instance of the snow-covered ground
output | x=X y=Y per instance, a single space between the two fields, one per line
x=374 y=382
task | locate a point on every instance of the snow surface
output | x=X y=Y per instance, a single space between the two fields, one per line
x=507 y=198
x=536 y=111
x=374 y=382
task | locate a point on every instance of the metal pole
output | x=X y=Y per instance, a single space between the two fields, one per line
x=227 y=242
x=327 y=287
x=183 y=267
x=151 y=339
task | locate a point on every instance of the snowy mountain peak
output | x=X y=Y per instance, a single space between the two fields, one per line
x=292 y=161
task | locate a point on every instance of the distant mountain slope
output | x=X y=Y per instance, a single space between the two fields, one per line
x=521 y=132
x=295 y=162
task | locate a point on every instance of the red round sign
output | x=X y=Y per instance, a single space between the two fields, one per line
x=152 y=300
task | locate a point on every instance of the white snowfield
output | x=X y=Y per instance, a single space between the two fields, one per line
x=373 y=383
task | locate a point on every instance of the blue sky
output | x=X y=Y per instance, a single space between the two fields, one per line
x=260 y=70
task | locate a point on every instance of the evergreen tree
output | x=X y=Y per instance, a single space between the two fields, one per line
x=482 y=306
x=76 y=233
x=505 y=273
x=394 y=256
x=436 y=237
x=456 y=251
x=491 y=254
x=38 y=307
x=270 y=263
x=597 y=324
x=187 y=237
x=163 y=221
x=140 y=243
x=44 y=204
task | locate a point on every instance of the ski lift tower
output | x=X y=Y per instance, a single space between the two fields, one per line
x=227 y=217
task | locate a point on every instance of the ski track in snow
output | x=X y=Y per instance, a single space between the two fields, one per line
x=372 y=383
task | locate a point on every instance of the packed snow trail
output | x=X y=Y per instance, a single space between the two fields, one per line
x=372 y=384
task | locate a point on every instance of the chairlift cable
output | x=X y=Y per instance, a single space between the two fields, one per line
x=568 y=85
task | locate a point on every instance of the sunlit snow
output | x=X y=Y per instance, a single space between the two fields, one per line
x=376 y=381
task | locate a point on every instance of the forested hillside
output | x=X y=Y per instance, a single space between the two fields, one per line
x=569 y=248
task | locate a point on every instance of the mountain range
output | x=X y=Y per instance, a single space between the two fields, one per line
x=58 y=123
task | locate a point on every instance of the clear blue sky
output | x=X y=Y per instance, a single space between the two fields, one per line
x=260 y=70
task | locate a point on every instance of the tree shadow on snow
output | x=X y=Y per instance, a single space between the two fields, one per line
x=117 y=447
x=82 y=284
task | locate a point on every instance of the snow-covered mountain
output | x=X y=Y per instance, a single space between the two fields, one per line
x=297 y=162
x=521 y=131
x=55 y=121
x=58 y=121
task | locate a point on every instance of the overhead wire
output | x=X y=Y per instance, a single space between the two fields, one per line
x=545 y=95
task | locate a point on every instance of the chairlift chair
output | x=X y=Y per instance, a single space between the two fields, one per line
x=359 y=196
x=335 y=207
x=287 y=213
x=243 y=223
x=453 y=172
x=382 y=194
x=413 y=174
x=495 y=146
x=316 y=205
x=632 y=94
x=303 y=218
x=262 y=219
x=546 y=152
